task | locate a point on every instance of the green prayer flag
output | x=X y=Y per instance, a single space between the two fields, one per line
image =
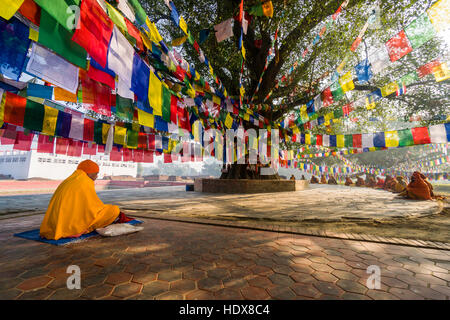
x=420 y=31
x=141 y=16
x=53 y=36
x=167 y=97
x=409 y=78
x=348 y=140
x=313 y=139
x=338 y=113
x=34 y=116
x=405 y=138
x=98 y=132
x=132 y=138
x=337 y=91
x=124 y=108
x=60 y=11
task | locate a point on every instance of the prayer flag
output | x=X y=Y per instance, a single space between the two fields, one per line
x=440 y=133
x=379 y=59
x=389 y=89
x=183 y=25
x=439 y=14
x=74 y=148
x=116 y=17
x=39 y=91
x=125 y=8
x=392 y=139
x=102 y=77
x=45 y=144
x=146 y=119
x=420 y=31
x=141 y=16
x=155 y=94
x=121 y=57
x=346 y=82
x=94 y=31
x=262 y=9
x=89 y=148
x=9 y=7
x=398 y=46
x=140 y=78
x=224 y=30
x=124 y=108
x=63 y=124
x=88 y=130
x=166 y=102
x=427 y=69
x=441 y=72
x=179 y=41
x=60 y=11
x=76 y=127
x=420 y=135
x=50 y=119
x=327 y=97
x=14 y=43
x=14 y=109
x=61 y=146
x=34 y=116
x=31 y=11
x=55 y=37
x=336 y=91
x=52 y=68
x=405 y=138
x=23 y=141
x=357 y=141
x=153 y=32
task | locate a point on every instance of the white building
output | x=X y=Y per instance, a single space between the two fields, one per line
x=31 y=164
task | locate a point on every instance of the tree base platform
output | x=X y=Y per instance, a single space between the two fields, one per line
x=248 y=185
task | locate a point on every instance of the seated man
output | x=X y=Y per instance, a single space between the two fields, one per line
x=323 y=180
x=401 y=185
x=348 y=181
x=388 y=183
x=419 y=188
x=370 y=182
x=332 y=180
x=293 y=177
x=360 y=182
x=303 y=177
x=314 y=179
x=380 y=184
x=75 y=208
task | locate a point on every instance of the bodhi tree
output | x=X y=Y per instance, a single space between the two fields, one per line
x=310 y=53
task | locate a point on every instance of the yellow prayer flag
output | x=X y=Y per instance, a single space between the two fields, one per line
x=441 y=72
x=389 y=89
x=340 y=141
x=328 y=116
x=307 y=138
x=120 y=134
x=439 y=15
x=391 y=138
x=9 y=7
x=105 y=130
x=183 y=25
x=246 y=117
x=267 y=9
x=346 y=82
x=64 y=95
x=146 y=119
x=243 y=51
x=2 y=107
x=229 y=121
x=154 y=33
x=370 y=103
x=179 y=41
x=50 y=119
x=34 y=35
x=155 y=94
x=147 y=42
x=216 y=99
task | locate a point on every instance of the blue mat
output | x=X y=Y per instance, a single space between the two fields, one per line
x=34 y=235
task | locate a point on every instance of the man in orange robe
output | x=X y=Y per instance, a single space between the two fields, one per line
x=314 y=179
x=360 y=182
x=323 y=180
x=75 y=208
x=419 y=188
x=348 y=181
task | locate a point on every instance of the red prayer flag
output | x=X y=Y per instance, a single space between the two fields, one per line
x=88 y=130
x=45 y=144
x=173 y=108
x=356 y=44
x=151 y=142
x=357 y=141
x=183 y=119
x=94 y=31
x=23 y=141
x=31 y=11
x=115 y=154
x=142 y=141
x=96 y=94
x=319 y=140
x=102 y=77
x=9 y=135
x=134 y=32
x=127 y=154
x=138 y=155
x=327 y=97
x=421 y=135
x=61 y=145
x=167 y=158
x=148 y=156
x=101 y=148
x=92 y=150
x=428 y=68
x=398 y=46
x=75 y=148
x=14 y=109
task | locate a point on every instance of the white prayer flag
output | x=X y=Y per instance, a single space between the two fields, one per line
x=120 y=56
x=224 y=30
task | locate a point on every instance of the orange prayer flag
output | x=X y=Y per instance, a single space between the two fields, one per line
x=64 y=95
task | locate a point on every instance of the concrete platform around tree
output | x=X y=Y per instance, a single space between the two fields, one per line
x=248 y=186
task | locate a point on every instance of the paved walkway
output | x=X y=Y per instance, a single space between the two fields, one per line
x=176 y=260
x=323 y=202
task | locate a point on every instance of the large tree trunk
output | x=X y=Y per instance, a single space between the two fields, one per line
x=244 y=171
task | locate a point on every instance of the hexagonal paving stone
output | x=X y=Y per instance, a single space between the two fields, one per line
x=106 y=262
x=118 y=278
x=155 y=288
x=281 y=293
x=97 y=291
x=169 y=276
x=9 y=294
x=324 y=276
x=405 y=294
x=219 y=273
x=305 y=290
x=260 y=281
x=39 y=294
x=351 y=286
x=328 y=288
x=381 y=295
x=194 y=274
x=355 y=296
x=228 y=294
x=427 y=293
x=200 y=295
x=182 y=286
x=210 y=284
x=65 y=294
x=235 y=283
x=143 y=277
x=281 y=279
x=127 y=290
x=34 y=283
x=261 y=270
x=254 y=293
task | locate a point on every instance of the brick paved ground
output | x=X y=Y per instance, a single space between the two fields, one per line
x=176 y=260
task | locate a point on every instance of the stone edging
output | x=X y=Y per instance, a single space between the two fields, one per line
x=299 y=231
